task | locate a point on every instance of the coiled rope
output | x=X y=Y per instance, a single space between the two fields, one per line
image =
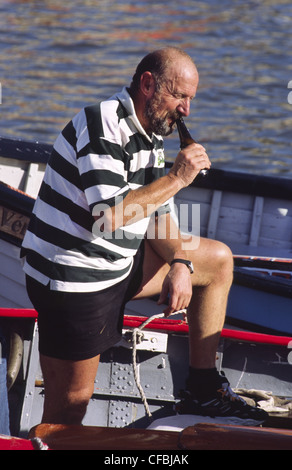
x=135 y=339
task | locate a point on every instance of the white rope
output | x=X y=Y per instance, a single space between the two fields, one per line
x=38 y=444
x=136 y=332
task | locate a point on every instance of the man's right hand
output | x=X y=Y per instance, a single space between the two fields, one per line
x=189 y=162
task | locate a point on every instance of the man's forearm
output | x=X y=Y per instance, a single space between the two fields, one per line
x=145 y=200
x=142 y=202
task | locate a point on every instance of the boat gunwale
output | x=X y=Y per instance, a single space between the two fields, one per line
x=167 y=325
x=219 y=179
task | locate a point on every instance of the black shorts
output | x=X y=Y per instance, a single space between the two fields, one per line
x=78 y=326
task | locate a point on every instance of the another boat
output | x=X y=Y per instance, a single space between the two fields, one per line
x=138 y=380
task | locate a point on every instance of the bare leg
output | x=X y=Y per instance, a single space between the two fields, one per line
x=206 y=312
x=211 y=280
x=68 y=389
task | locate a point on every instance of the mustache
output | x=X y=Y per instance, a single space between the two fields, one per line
x=174 y=115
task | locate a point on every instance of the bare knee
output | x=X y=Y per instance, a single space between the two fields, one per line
x=75 y=406
x=68 y=388
x=69 y=408
x=223 y=259
x=216 y=263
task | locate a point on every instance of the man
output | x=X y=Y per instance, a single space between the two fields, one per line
x=85 y=253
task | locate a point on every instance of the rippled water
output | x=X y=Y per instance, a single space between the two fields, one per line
x=58 y=56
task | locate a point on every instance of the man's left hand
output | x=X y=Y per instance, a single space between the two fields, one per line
x=178 y=286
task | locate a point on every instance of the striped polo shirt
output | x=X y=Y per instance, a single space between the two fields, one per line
x=101 y=155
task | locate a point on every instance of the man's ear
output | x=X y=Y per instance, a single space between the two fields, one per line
x=147 y=84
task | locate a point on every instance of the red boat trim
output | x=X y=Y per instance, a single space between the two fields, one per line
x=15 y=443
x=18 y=313
x=262 y=258
x=165 y=324
x=252 y=337
x=179 y=326
x=261 y=262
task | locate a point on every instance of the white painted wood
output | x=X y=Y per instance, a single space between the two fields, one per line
x=33 y=179
x=22 y=175
x=256 y=221
x=249 y=225
x=214 y=214
x=12 y=280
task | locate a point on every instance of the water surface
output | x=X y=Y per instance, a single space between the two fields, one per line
x=57 y=57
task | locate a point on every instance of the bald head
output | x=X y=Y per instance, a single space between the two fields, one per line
x=160 y=63
x=162 y=88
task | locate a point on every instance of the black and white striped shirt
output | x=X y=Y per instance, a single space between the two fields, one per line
x=100 y=156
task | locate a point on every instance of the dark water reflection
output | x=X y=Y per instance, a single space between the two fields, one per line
x=58 y=56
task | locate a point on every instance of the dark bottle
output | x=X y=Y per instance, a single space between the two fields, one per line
x=186 y=139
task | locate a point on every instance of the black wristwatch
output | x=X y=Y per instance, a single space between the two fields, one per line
x=188 y=263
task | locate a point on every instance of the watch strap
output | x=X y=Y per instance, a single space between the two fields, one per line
x=183 y=261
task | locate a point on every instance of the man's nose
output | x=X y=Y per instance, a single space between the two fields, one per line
x=184 y=106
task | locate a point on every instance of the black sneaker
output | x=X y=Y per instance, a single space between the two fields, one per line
x=225 y=404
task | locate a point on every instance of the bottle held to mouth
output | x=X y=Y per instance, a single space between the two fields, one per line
x=186 y=139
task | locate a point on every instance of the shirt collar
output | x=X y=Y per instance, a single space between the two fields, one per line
x=126 y=100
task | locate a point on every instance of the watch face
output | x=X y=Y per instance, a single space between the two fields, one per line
x=190 y=266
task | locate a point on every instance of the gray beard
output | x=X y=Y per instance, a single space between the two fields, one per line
x=157 y=124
